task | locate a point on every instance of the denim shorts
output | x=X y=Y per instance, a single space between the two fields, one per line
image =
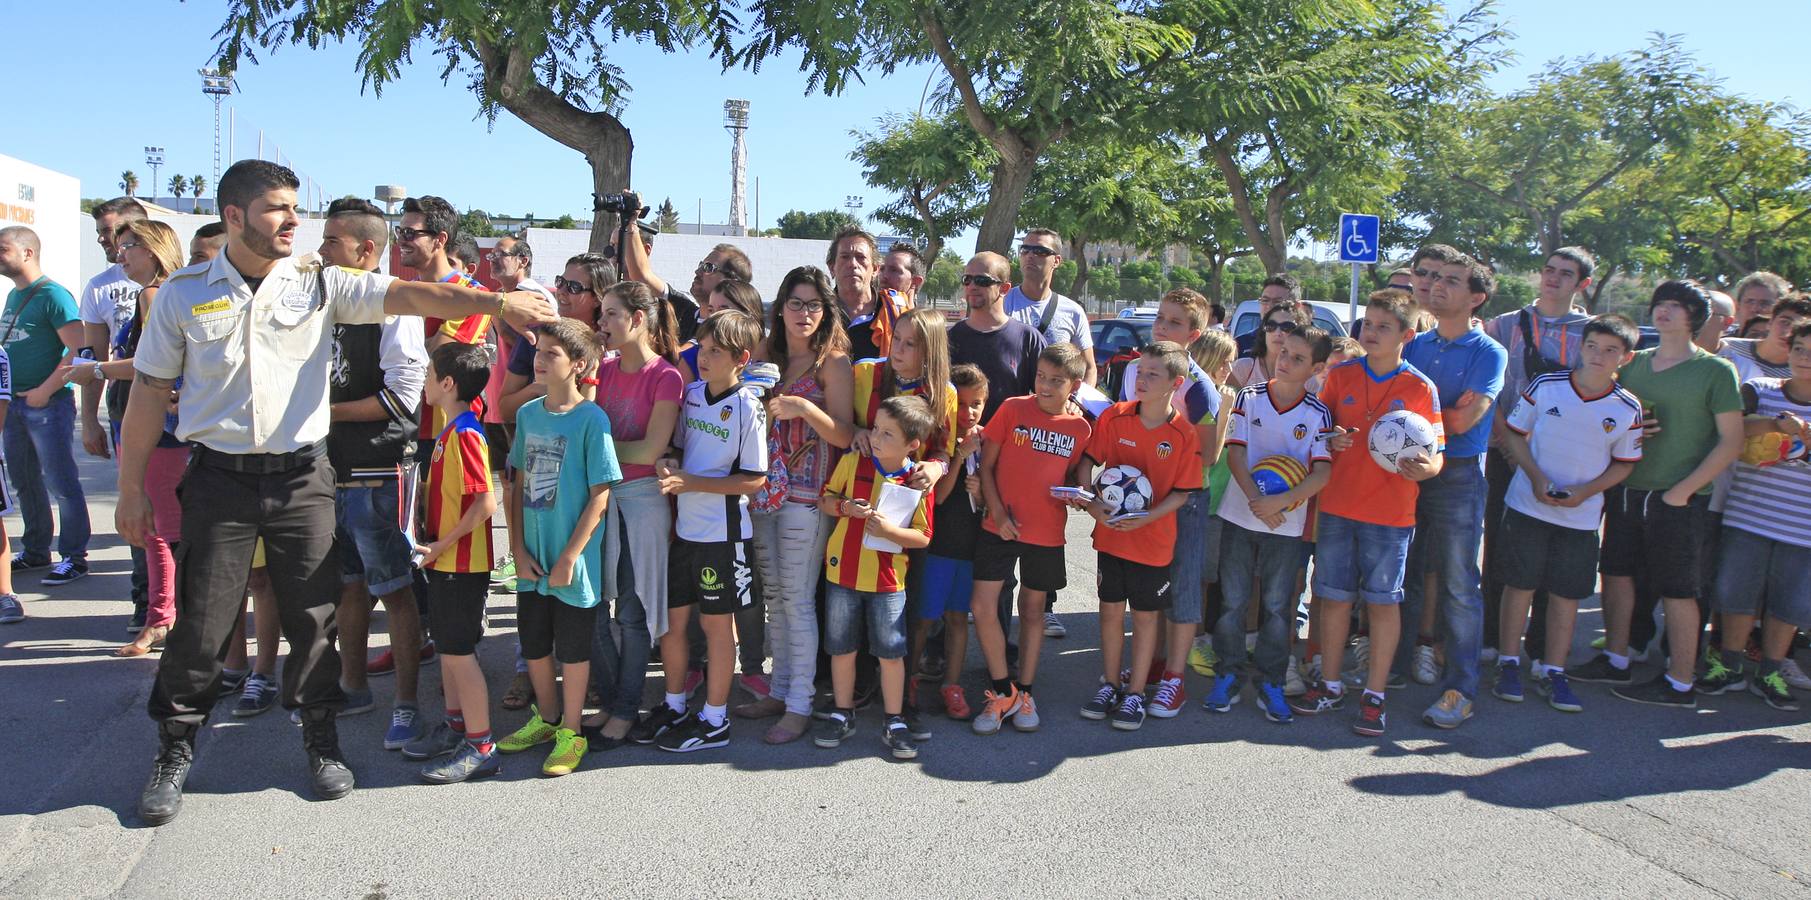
x=1752 y=568
x=948 y=586
x=1188 y=567
x=846 y=610
x=1356 y=560
x=372 y=546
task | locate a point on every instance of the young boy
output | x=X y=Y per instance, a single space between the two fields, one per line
x=1572 y=436
x=722 y=445
x=1034 y=443
x=565 y=462
x=1656 y=522
x=866 y=585
x=949 y=562
x=454 y=552
x=1182 y=316
x=1765 y=553
x=1261 y=544
x=1367 y=513
x=1135 y=553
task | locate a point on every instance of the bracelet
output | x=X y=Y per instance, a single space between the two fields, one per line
x=502 y=303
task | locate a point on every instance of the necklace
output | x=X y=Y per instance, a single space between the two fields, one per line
x=1371 y=407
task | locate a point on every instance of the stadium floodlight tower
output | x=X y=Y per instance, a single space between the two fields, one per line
x=390 y=195
x=735 y=121
x=217 y=85
x=154 y=159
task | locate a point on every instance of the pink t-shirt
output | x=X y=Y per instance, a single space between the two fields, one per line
x=628 y=398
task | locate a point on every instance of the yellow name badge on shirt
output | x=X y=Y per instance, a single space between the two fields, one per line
x=214 y=306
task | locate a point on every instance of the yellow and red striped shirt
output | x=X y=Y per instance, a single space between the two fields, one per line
x=458 y=473
x=867 y=404
x=846 y=561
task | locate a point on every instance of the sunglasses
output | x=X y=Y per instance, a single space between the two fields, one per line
x=1287 y=326
x=123 y=246
x=1422 y=273
x=1035 y=250
x=985 y=281
x=409 y=234
x=794 y=304
x=566 y=286
x=707 y=268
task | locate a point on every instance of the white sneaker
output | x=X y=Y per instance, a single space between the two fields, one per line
x=1426 y=670
x=1292 y=680
x=1053 y=626
x=1794 y=675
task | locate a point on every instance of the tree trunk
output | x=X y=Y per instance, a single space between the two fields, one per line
x=1216 y=275
x=1078 y=249
x=1274 y=259
x=509 y=79
x=999 y=225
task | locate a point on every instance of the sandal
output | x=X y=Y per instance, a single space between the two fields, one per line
x=147 y=641
x=520 y=690
x=790 y=728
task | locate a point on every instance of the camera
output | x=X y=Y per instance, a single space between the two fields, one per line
x=626 y=204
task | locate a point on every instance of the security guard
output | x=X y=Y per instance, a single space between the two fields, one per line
x=250 y=335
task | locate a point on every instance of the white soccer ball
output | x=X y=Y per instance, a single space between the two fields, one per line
x=1123 y=489
x=1399 y=435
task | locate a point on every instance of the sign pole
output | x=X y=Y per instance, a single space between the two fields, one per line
x=1352 y=314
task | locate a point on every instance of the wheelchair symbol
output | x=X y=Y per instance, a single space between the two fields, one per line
x=1356 y=247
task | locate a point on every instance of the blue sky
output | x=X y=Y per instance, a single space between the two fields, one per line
x=92 y=120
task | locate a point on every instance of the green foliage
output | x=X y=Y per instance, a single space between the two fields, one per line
x=128 y=182
x=666 y=218
x=564 y=221
x=476 y=222
x=944 y=281
x=936 y=166
x=820 y=225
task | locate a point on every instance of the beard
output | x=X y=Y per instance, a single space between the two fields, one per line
x=261 y=243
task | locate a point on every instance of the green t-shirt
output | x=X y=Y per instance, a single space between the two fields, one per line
x=1686 y=399
x=29 y=326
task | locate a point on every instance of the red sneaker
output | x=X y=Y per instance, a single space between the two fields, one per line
x=1370 y=717
x=385 y=663
x=693 y=678
x=1170 y=697
x=955 y=702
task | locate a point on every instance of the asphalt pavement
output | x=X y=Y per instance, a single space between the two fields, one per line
x=1620 y=800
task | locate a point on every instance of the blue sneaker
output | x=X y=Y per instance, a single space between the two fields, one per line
x=1276 y=705
x=258 y=695
x=1559 y=692
x=1225 y=694
x=405 y=728
x=1509 y=682
x=466 y=763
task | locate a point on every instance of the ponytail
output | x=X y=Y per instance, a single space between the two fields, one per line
x=663 y=335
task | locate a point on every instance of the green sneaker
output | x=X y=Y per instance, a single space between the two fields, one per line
x=1718 y=678
x=1772 y=688
x=568 y=750
x=534 y=731
x=505 y=571
x=1201 y=656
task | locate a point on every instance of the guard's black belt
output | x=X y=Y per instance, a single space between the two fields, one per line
x=261 y=463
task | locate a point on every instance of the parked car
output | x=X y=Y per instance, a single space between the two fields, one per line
x=1138 y=312
x=1329 y=317
x=1115 y=336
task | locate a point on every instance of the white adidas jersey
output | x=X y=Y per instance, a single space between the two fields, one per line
x=1573 y=438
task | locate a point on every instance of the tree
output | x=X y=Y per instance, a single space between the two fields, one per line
x=936 y=166
x=198 y=187
x=666 y=218
x=1737 y=197
x=546 y=63
x=128 y=182
x=821 y=225
x=1541 y=154
x=1300 y=113
x=565 y=221
x=1105 y=190
x=179 y=185
x=945 y=279
x=476 y=222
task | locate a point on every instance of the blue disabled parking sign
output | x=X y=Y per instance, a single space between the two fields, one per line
x=1357 y=238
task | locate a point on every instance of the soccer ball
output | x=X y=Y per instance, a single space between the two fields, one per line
x=1123 y=489
x=1277 y=474
x=1399 y=435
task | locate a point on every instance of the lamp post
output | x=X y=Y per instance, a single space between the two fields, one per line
x=735 y=121
x=852 y=203
x=217 y=85
x=154 y=159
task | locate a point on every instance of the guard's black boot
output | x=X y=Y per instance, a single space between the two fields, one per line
x=162 y=798
x=321 y=738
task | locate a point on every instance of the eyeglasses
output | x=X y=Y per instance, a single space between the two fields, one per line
x=123 y=246
x=498 y=255
x=567 y=286
x=707 y=268
x=982 y=280
x=409 y=234
x=794 y=304
x=1286 y=326
x=1035 y=250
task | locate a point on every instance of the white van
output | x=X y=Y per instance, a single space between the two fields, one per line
x=1329 y=317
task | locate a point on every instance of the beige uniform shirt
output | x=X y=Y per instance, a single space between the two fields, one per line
x=254 y=366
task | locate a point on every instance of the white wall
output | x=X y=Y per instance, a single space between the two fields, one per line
x=677 y=255
x=50 y=204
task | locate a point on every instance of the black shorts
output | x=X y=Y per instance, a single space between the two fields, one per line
x=1644 y=536
x=497 y=436
x=1146 y=588
x=1538 y=555
x=551 y=626
x=1040 y=568
x=454 y=602
x=715 y=576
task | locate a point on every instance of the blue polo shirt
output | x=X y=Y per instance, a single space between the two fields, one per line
x=1471 y=362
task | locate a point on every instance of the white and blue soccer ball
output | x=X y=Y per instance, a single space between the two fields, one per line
x=1123 y=489
x=1399 y=435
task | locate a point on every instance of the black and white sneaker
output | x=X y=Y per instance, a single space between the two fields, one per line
x=657 y=722
x=1658 y=693
x=695 y=733
x=64 y=572
x=915 y=725
x=833 y=730
x=1130 y=713
x=898 y=739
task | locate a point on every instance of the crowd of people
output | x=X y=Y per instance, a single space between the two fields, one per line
x=814 y=497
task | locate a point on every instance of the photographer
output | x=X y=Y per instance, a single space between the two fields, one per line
x=724 y=261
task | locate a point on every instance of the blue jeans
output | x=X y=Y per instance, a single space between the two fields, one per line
x=40 y=453
x=1273 y=559
x=620 y=673
x=848 y=611
x=1188 y=567
x=1356 y=560
x=1450 y=528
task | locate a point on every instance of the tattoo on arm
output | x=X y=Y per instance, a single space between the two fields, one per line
x=155 y=383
